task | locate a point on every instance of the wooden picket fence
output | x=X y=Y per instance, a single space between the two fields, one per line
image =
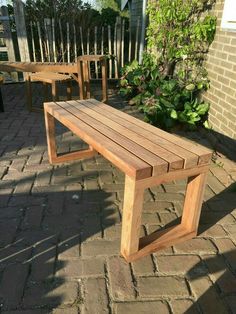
x=50 y=40
x=70 y=41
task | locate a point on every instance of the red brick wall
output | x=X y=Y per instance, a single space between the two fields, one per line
x=221 y=66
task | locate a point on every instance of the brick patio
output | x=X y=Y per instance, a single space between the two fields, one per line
x=60 y=231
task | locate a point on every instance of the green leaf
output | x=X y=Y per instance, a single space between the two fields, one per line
x=190 y=87
x=174 y=114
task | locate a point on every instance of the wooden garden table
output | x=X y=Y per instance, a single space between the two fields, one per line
x=147 y=155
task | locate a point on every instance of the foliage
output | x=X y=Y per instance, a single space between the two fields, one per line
x=172 y=76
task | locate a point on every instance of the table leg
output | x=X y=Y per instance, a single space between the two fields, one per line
x=54 y=91
x=131 y=218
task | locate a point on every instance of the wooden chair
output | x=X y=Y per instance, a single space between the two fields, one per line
x=51 y=78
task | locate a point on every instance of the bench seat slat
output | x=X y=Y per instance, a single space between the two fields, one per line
x=166 y=150
x=79 y=111
x=144 y=145
x=123 y=159
x=204 y=154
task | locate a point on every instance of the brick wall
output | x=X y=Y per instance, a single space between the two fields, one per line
x=221 y=66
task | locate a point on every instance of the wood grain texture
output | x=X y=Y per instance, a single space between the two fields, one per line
x=122 y=158
x=131 y=217
x=192 y=149
x=138 y=157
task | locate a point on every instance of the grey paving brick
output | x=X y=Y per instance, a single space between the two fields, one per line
x=120 y=279
x=151 y=307
x=99 y=304
x=153 y=287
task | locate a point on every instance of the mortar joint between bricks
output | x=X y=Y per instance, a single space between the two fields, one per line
x=108 y=292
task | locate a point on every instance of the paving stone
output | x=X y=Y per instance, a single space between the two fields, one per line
x=8 y=231
x=152 y=307
x=206 y=296
x=152 y=287
x=217 y=218
x=112 y=232
x=180 y=264
x=231 y=230
x=167 y=218
x=196 y=246
x=11 y=294
x=228 y=249
x=33 y=217
x=150 y=218
x=120 y=279
x=100 y=248
x=43 y=261
x=184 y=306
x=215 y=231
x=99 y=304
x=231 y=302
x=143 y=266
x=157 y=206
x=72 y=269
x=220 y=274
x=50 y=293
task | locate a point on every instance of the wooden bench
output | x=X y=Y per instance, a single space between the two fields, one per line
x=147 y=155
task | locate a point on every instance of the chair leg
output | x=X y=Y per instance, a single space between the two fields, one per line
x=45 y=89
x=54 y=91
x=28 y=93
x=131 y=218
x=69 y=90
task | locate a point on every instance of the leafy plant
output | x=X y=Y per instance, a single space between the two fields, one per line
x=168 y=84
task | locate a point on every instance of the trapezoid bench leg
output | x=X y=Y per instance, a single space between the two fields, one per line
x=51 y=141
x=133 y=247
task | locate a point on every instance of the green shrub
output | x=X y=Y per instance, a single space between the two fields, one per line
x=168 y=84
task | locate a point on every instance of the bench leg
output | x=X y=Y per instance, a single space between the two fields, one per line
x=131 y=218
x=51 y=141
x=133 y=248
x=193 y=202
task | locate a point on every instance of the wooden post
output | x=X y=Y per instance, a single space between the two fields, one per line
x=68 y=41
x=32 y=39
x=46 y=41
x=115 y=52
x=8 y=40
x=137 y=40
x=18 y=6
x=130 y=41
x=95 y=49
x=122 y=42
x=75 y=44
x=102 y=41
x=54 y=41
x=109 y=50
x=62 y=42
x=40 y=42
x=81 y=40
x=118 y=40
x=88 y=39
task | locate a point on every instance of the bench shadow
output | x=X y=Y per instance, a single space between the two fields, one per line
x=222 y=272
